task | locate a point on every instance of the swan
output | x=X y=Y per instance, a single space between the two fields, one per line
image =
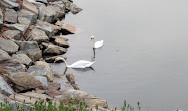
x=97 y=44
x=79 y=64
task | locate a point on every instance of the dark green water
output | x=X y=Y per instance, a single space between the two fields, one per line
x=145 y=53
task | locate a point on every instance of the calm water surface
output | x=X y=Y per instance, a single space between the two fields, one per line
x=145 y=53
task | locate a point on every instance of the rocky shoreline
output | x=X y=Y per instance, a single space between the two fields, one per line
x=32 y=36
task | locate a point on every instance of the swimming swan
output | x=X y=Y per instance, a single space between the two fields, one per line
x=79 y=64
x=97 y=44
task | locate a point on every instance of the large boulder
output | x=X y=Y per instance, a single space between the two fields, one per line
x=41 y=70
x=42 y=79
x=30 y=7
x=13 y=34
x=68 y=29
x=8 y=45
x=38 y=35
x=60 y=42
x=26 y=45
x=54 y=50
x=20 y=27
x=23 y=82
x=26 y=17
x=4 y=55
x=48 y=28
x=59 y=4
x=22 y=58
x=5 y=88
x=9 y=3
x=11 y=16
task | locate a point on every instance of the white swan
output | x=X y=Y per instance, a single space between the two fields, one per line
x=79 y=64
x=97 y=44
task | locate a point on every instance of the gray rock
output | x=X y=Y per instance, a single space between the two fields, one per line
x=5 y=88
x=74 y=8
x=34 y=54
x=54 y=50
x=48 y=28
x=8 y=45
x=9 y=3
x=20 y=27
x=30 y=7
x=1 y=16
x=4 y=55
x=52 y=59
x=26 y=17
x=12 y=34
x=38 y=35
x=22 y=58
x=68 y=29
x=12 y=66
x=41 y=70
x=11 y=16
x=43 y=1
x=58 y=10
x=59 y=4
x=61 y=42
x=42 y=79
x=26 y=45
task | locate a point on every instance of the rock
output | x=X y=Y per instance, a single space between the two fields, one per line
x=43 y=1
x=59 y=23
x=11 y=16
x=42 y=79
x=38 y=35
x=42 y=63
x=52 y=59
x=70 y=78
x=12 y=34
x=68 y=29
x=60 y=12
x=59 y=4
x=12 y=66
x=26 y=45
x=4 y=55
x=74 y=8
x=47 y=14
x=20 y=27
x=48 y=28
x=8 y=45
x=5 y=88
x=53 y=89
x=9 y=3
x=30 y=7
x=41 y=70
x=34 y=54
x=44 y=45
x=26 y=17
x=22 y=58
x=61 y=42
x=54 y=50
x=23 y=82
x=1 y=16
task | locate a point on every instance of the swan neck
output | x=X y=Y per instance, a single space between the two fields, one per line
x=66 y=63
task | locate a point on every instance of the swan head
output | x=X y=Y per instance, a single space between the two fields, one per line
x=92 y=37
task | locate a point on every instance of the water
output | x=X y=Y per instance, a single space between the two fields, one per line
x=145 y=53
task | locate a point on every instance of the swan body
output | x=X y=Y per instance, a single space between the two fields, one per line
x=79 y=64
x=97 y=44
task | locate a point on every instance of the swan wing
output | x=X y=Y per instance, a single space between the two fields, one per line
x=99 y=44
x=90 y=64
x=80 y=64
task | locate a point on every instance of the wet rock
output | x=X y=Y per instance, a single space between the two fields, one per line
x=9 y=3
x=42 y=79
x=38 y=35
x=20 y=27
x=12 y=66
x=74 y=8
x=26 y=17
x=26 y=45
x=11 y=16
x=48 y=28
x=61 y=42
x=5 y=88
x=4 y=55
x=30 y=7
x=52 y=59
x=68 y=29
x=12 y=34
x=54 y=50
x=41 y=70
x=70 y=78
x=22 y=58
x=23 y=82
x=8 y=45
